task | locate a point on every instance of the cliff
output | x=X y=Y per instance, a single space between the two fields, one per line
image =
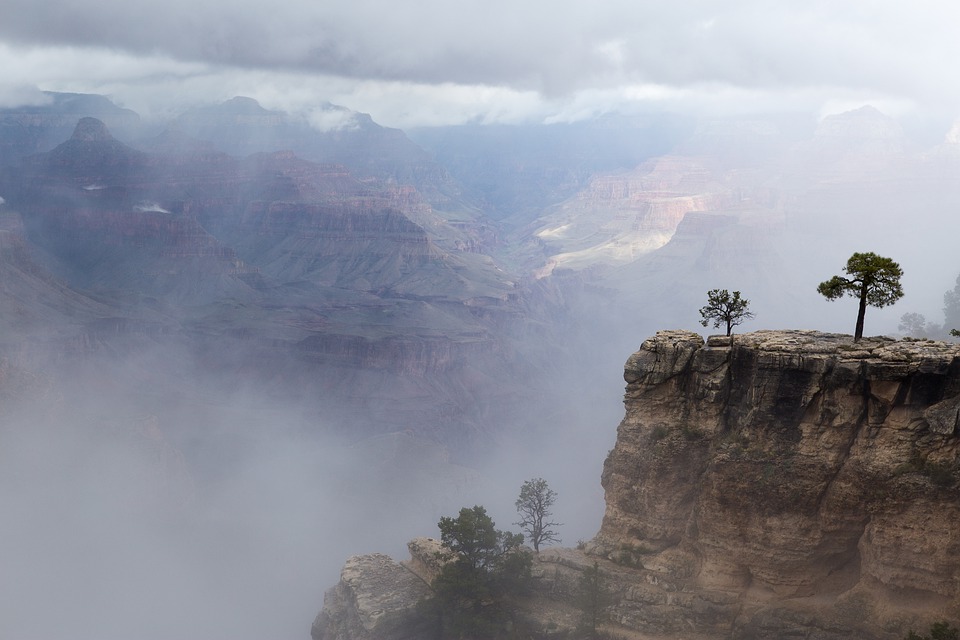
x=782 y=483
x=811 y=477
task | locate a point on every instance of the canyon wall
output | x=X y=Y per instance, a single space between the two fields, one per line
x=810 y=477
x=773 y=484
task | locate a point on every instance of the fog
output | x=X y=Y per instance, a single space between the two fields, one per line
x=146 y=498
x=157 y=485
x=110 y=532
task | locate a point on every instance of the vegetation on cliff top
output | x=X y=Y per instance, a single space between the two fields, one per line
x=485 y=568
x=725 y=308
x=938 y=631
x=873 y=279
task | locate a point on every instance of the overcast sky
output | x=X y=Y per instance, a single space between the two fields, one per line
x=449 y=61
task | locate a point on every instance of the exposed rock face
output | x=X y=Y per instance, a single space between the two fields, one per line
x=374 y=599
x=620 y=217
x=812 y=478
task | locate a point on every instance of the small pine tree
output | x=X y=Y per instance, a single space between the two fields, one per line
x=725 y=308
x=485 y=567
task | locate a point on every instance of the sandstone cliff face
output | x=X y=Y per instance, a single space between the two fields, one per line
x=812 y=478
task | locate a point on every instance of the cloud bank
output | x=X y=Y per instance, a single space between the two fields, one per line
x=493 y=60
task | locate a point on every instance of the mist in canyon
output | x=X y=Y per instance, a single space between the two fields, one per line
x=140 y=506
x=241 y=348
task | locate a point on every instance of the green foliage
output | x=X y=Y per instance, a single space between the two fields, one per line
x=725 y=308
x=533 y=505
x=658 y=433
x=593 y=597
x=938 y=631
x=485 y=568
x=872 y=279
x=472 y=537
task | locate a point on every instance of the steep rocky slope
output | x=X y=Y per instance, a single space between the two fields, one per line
x=784 y=483
x=811 y=477
x=30 y=129
x=352 y=296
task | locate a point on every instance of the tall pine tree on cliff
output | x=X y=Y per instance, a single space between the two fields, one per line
x=873 y=279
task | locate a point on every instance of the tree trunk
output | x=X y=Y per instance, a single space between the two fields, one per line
x=860 y=315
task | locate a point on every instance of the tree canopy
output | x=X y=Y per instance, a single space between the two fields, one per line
x=873 y=279
x=725 y=308
x=484 y=568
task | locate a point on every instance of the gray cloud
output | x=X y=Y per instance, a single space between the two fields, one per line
x=534 y=44
x=491 y=60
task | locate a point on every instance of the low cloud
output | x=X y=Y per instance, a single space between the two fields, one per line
x=148 y=207
x=14 y=95
x=332 y=119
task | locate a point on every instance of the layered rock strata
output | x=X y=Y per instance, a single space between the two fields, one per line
x=797 y=471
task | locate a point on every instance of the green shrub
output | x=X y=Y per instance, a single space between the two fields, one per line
x=658 y=433
x=938 y=631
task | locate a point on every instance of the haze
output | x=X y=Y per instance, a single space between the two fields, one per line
x=157 y=489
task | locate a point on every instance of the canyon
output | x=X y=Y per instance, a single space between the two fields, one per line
x=297 y=277
x=293 y=338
